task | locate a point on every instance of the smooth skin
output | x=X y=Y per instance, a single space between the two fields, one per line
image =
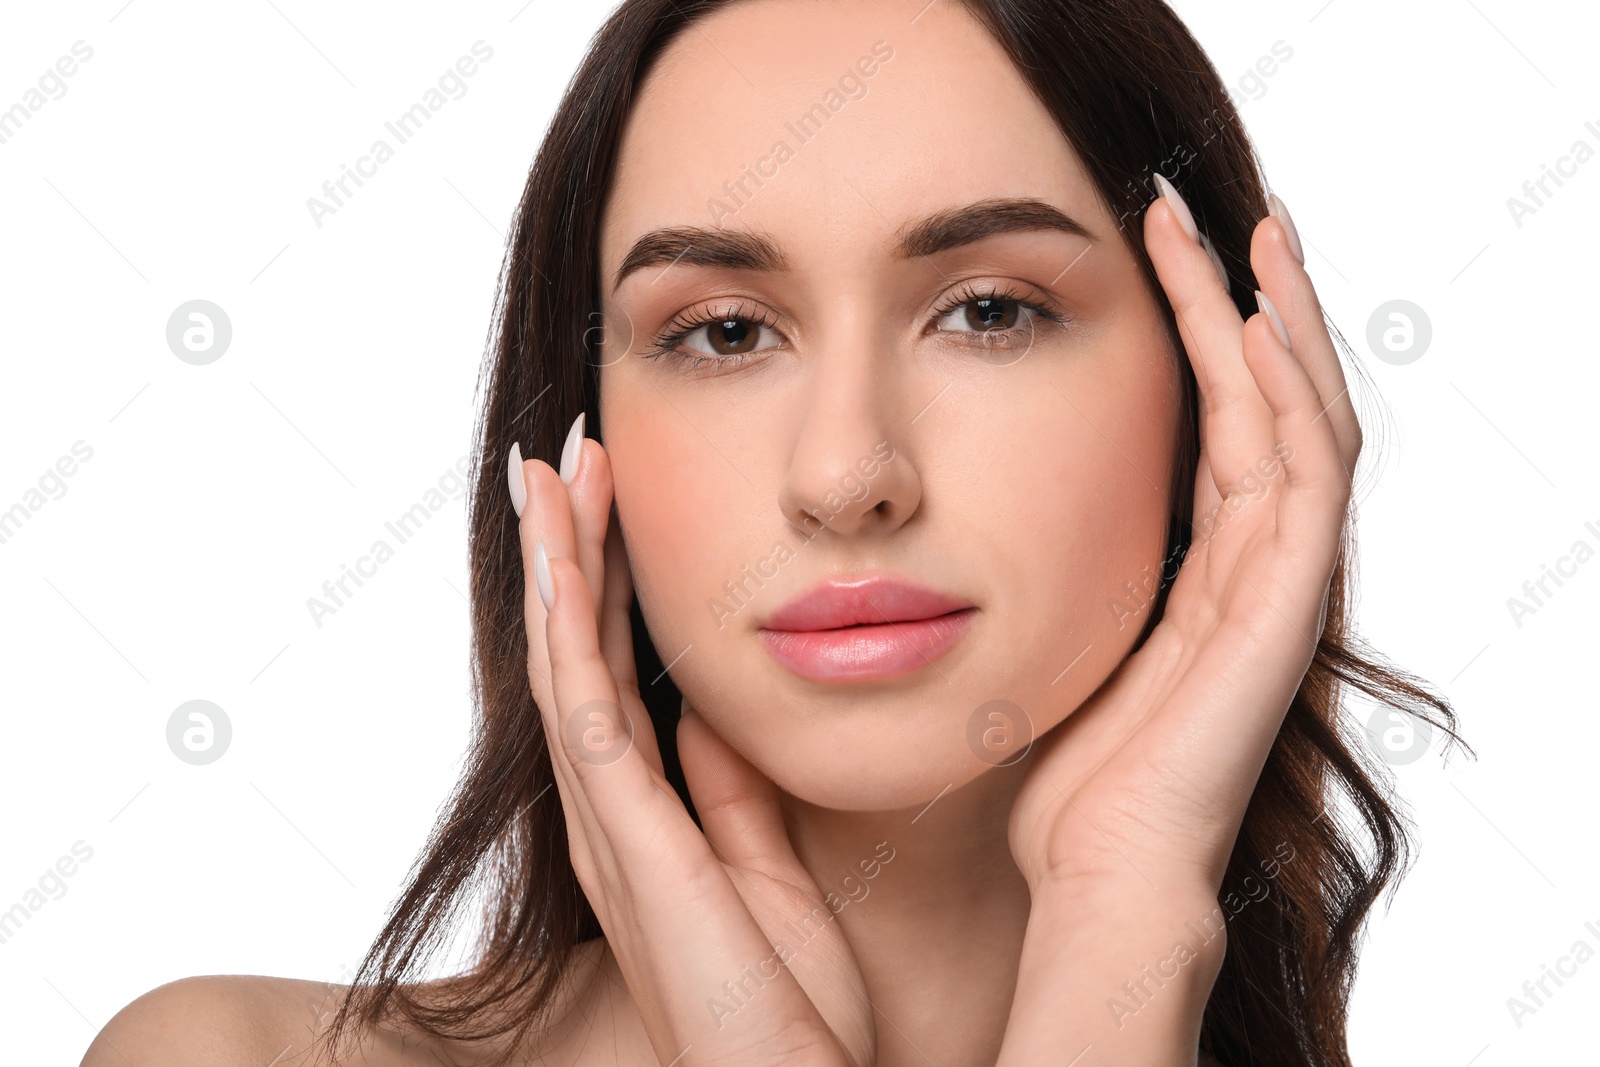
x=1020 y=898
x=1120 y=824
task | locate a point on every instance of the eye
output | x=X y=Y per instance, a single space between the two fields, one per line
x=718 y=336
x=993 y=314
x=730 y=336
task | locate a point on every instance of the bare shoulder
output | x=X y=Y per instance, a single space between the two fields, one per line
x=254 y=1020
x=219 y=1020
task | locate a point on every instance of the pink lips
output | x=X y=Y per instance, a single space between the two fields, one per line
x=870 y=628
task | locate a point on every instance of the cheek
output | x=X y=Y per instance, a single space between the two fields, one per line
x=686 y=516
x=1084 y=500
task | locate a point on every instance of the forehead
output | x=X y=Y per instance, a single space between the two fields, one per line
x=829 y=124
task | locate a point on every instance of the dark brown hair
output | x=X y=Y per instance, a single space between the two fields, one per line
x=1134 y=93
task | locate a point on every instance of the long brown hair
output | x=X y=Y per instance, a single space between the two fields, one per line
x=1134 y=94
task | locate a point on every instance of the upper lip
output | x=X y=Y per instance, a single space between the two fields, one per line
x=878 y=598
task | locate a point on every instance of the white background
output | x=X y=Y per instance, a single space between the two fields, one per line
x=178 y=562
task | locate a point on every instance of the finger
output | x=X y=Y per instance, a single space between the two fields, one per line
x=1285 y=281
x=545 y=517
x=1235 y=422
x=586 y=470
x=573 y=809
x=1314 y=481
x=589 y=733
x=737 y=804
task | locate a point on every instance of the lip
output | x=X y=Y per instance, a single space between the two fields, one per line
x=868 y=628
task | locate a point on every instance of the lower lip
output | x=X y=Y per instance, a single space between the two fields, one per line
x=865 y=653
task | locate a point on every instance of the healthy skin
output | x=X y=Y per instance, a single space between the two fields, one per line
x=1030 y=395
x=1033 y=487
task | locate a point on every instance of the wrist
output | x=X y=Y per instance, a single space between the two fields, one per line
x=1121 y=977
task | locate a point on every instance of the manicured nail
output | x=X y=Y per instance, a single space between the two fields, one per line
x=1270 y=310
x=1276 y=206
x=1179 y=208
x=572 y=451
x=1216 y=260
x=541 y=576
x=519 y=488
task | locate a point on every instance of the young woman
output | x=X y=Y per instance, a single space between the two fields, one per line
x=919 y=633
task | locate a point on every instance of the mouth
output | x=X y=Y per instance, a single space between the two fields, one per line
x=865 y=629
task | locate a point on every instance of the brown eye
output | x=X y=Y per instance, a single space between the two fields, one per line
x=724 y=337
x=992 y=313
x=732 y=337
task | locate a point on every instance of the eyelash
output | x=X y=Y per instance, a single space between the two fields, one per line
x=668 y=343
x=672 y=335
x=971 y=293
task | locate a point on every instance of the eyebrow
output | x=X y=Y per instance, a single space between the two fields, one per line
x=939 y=232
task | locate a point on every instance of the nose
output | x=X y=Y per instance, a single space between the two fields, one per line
x=851 y=471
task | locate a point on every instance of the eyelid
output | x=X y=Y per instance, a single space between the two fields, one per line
x=982 y=289
x=668 y=341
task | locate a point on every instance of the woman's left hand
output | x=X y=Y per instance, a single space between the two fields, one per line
x=1129 y=809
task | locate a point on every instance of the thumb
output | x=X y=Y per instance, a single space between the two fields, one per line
x=737 y=804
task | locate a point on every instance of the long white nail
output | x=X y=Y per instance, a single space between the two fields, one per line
x=1276 y=206
x=572 y=451
x=1179 y=208
x=1270 y=310
x=519 y=488
x=1216 y=260
x=541 y=575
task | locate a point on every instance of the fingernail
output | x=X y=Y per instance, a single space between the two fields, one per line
x=1179 y=208
x=541 y=576
x=519 y=488
x=1270 y=310
x=1276 y=206
x=572 y=450
x=1216 y=260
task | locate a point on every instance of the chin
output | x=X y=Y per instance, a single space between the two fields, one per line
x=889 y=759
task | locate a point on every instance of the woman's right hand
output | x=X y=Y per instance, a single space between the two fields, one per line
x=695 y=920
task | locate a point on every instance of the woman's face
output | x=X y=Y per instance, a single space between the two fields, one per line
x=931 y=358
